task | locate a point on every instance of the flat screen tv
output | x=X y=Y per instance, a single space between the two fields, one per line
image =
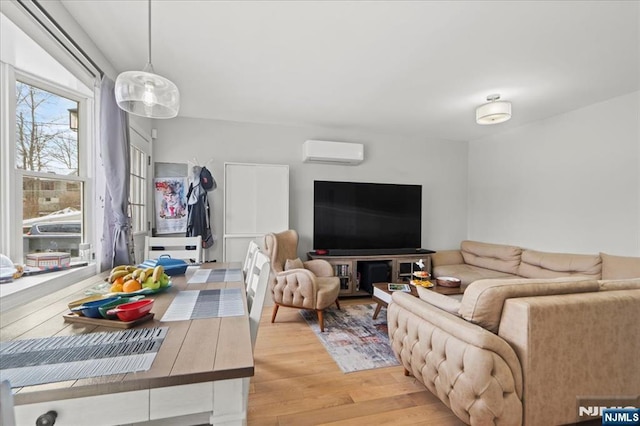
x=357 y=217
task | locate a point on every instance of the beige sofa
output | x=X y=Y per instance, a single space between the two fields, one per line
x=477 y=260
x=523 y=350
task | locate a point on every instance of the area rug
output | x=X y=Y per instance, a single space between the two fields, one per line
x=354 y=340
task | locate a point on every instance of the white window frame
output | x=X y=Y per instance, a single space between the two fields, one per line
x=85 y=154
x=12 y=179
x=141 y=141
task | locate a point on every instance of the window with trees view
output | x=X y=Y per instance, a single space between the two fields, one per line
x=47 y=155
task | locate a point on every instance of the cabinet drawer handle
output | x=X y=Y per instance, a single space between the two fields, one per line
x=47 y=419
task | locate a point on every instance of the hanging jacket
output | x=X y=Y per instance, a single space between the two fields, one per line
x=198 y=222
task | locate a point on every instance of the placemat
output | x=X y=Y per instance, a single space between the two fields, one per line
x=56 y=359
x=202 y=276
x=198 y=304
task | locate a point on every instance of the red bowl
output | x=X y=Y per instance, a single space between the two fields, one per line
x=133 y=310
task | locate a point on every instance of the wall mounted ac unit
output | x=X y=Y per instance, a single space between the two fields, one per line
x=332 y=152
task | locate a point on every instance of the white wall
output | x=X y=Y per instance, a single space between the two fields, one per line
x=439 y=166
x=569 y=183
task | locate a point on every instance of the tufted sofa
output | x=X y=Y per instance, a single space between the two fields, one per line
x=521 y=351
x=478 y=260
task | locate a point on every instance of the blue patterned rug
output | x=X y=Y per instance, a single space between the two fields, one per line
x=354 y=340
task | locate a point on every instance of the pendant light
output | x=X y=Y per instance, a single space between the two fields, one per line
x=493 y=112
x=146 y=93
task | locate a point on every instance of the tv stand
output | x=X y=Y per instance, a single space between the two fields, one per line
x=346 y=266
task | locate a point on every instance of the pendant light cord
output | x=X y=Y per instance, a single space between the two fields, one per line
x=149 y=32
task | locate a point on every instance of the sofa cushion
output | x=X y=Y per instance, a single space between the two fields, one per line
x=625 y=284
x=468 y=273
x=293 y=264
x=539 y=264
x=619 y=267
x=497 y=257
x=483 y=300
x=438 y=300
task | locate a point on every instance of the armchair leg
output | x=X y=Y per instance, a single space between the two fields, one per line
x=274 y=313
x=321 y=319
x=337 y=304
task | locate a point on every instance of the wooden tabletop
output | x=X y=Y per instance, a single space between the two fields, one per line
x=193 y=351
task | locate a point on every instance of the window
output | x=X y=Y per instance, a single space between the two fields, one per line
x=46 y=143
x=48 y=170
x=138 y=190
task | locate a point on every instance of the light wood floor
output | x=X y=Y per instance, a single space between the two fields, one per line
x=297 y=383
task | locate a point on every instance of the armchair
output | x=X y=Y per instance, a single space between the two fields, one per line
x=297 y=284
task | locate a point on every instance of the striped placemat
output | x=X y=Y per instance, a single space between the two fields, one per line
x=198 y=304
x=55 y=359
x=221 y=275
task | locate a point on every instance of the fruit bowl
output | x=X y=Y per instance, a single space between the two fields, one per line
x=143 y=291
x=448 y=281
x=132 y=311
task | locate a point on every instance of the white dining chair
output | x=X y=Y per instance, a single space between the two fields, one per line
x=249 y=261
x=256 y=292
x=185 y=248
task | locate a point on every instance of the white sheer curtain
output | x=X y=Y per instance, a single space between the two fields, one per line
x=114 y=147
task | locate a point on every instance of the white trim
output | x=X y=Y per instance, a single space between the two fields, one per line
x=26 y=289
x=7 y=158
x=41 y=33
x=85 y=159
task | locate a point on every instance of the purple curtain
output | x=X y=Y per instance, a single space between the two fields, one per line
x=114 y=148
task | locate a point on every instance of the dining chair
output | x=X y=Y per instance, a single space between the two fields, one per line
x=249 y=261
x=256 y=292
x=186 y=248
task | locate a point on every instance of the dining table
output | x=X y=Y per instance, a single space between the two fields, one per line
x=200 y=366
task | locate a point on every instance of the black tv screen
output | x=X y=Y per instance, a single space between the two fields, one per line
x=364 y=216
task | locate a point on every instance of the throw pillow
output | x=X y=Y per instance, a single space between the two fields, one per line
x=293 y=264
x=619 y=267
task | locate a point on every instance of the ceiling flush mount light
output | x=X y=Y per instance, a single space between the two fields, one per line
x=145 y=93
x=493 y=112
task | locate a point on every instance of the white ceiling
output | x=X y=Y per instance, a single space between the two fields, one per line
x=411 y=68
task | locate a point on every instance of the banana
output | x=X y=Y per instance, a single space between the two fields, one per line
x=119 y=268
x=157 y=273
x=117 y=274
x=145 y=274
x=136 y=273
x=131 y=268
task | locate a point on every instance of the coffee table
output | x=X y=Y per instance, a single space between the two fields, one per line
x=382 y=295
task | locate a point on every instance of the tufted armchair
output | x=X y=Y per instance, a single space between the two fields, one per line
x=297 y=284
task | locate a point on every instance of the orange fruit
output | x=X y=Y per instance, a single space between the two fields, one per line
x=116 y=288
x=131 y=285
x=119 y=280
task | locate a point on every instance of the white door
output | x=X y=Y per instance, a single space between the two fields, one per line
x=256 y=202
